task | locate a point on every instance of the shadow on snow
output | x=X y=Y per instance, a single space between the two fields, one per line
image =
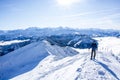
x=108 y=69
x=11 y=73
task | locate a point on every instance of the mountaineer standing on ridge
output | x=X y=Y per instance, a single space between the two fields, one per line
x=94 y=47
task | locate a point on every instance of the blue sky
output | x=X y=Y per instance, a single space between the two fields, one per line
x=21 y=14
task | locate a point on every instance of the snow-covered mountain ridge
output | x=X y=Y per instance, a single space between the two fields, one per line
x=43 y=61
x=28 y=57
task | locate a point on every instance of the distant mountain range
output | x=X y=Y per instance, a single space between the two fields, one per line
x=77 y=38
x=34 y=32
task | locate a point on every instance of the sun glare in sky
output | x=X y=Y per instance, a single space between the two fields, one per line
x=103 y=14
x=67 y=3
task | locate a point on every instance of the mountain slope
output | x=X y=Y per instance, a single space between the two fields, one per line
x=28 y=57
x=78 y=67
x=42 y=61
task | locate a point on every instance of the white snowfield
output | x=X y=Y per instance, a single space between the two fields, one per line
x=42 y=61
x=3 y=43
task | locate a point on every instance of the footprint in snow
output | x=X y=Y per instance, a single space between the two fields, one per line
x=106 y=60
x=101 y=73
x=79 y=70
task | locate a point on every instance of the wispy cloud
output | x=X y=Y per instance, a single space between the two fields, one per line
x=93 y=13
x=115 y=15
x=106 y=20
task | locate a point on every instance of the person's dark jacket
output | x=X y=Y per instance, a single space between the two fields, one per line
x=94 y=46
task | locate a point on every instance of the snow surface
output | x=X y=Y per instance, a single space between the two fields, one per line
x=2 y=43
x=42 y=61
x=109 y=44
